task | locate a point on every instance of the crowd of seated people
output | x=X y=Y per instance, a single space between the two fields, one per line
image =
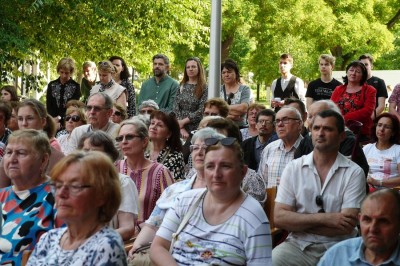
x=188 y=175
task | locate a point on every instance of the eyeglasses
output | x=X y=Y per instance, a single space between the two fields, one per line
x=284 y=120
x=320 y=203
x=74 y=118
x=117 y=113
x=146 y=112
x=127 y=137
x=267 y=122
x=197 y=148
x=71 y=188
x=230 y=97
x=226 y=141
x=96 y=109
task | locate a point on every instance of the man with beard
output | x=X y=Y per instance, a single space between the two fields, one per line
x=379 y=243
x=319 y=196
x=253 y=146
x=161 y=88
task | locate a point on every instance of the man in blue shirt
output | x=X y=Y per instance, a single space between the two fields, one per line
x=161 y=88
x=379 y=243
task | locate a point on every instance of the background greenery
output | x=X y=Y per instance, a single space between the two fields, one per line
x=254 y=33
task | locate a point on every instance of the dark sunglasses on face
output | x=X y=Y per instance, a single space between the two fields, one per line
x=320 y=203
x=117 y=113
x=74 y=118
x=127 y=137
x=226 y=141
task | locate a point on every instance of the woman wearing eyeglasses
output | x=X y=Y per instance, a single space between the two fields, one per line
x=151 y=178
x=119 y=113
x=27 y=206
x=235 y=94
x=383 y=156
x=220 y=225
x=190 y=97
x=108 y=85
x=252 y=112
x=75 y=117
x=87 y=194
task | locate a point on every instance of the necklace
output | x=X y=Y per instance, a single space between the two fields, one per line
x=77 y=244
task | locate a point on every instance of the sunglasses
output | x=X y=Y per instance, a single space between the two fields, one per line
x=117 y=113
x=127 y=137
x=320 y=203
x=74 y=118
x=230 y=97
x=226 y=141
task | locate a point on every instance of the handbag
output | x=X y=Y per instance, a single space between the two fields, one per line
x=185 y=220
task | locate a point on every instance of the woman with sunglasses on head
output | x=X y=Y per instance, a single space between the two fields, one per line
x=166 y=145
x=108 y=85
x=119 y=113
x=87 y=194
x=151 y=178
x=190 y=97
x=75 y=117
x=121 y=76
x=235 y=94
x=383 y=155
x=220 y=225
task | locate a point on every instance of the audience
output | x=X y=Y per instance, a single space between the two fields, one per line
x=124 y=220
x=379 y=243
x=87 y=194
x=119 y=113
x=216 y=107
x=319 y=196
x=9 y=94
x=217 y=225
x=28 y=206
x=384 y=154
x=88 y=80
x=252 y=112
x=150 y=177
x=5 y=116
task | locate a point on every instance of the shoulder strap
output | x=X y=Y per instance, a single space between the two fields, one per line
x=223 y=89
x=185 y=220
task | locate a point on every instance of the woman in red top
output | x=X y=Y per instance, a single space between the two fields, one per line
x=355 y=98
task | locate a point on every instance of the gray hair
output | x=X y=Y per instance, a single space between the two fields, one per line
x=108 y=102
x=205 y=133
x=89 y=64
x=144 y=118
x=149 y=103
x=330 y=104
x=141 y=128
x=294 y=110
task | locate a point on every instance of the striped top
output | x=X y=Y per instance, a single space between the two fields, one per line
x=244 y=239
x=150 y=182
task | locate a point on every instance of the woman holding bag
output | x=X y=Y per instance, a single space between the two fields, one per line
x=203 y=219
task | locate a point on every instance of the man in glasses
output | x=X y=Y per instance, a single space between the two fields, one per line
x=161 y=88
x=379 y=243
x=252 y=147
x=279 y=153
x=319 y=196
x=99 y=110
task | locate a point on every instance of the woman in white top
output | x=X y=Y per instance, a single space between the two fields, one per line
x=108 y=85
x=383 y=156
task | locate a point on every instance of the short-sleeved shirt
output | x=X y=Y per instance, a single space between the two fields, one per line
x=244 y=239
x=344 y=188
x=319 y=90
x=103 y=248
x=380 y=86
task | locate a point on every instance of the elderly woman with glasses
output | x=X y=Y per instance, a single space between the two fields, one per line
x=234 y=93
x=75 y=117
x=108 y=85
x=190 y=97
x=87 y=194
x=28 y=205
x=151 y=178
x=218 y=225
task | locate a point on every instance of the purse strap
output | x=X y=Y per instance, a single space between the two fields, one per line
x=185 y=220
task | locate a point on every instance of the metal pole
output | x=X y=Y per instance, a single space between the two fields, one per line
x=214 y=81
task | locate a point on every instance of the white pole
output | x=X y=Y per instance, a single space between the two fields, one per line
x=214 y=81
